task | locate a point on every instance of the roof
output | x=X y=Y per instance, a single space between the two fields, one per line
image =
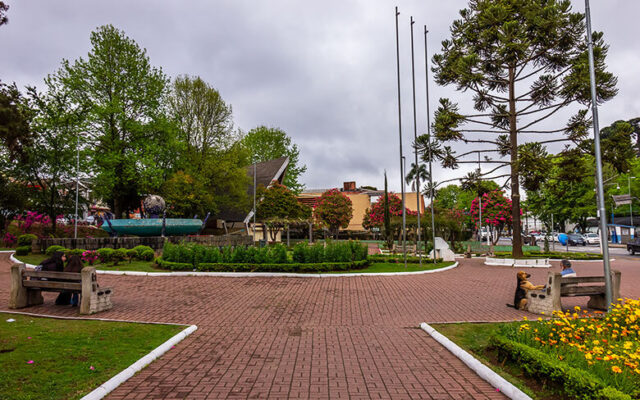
x=267 y=173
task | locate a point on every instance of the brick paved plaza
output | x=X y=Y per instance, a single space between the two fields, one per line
x=315 y=338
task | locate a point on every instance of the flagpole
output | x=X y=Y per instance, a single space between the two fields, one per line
x=404 y=216
x=415 y=138
x=426 y=71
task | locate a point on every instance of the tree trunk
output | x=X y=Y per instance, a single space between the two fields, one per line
x=515 y=184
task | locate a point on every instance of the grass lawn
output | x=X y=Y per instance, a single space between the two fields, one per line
x=395 y=267
x=5 y=249
x=143 y=266
x=474 y=338
x=45 y=358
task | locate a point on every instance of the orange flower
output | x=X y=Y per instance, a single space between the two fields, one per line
x=616 y=369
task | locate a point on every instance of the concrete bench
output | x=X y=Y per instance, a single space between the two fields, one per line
x=518 y=263
x=27 y=287
x=548 y=299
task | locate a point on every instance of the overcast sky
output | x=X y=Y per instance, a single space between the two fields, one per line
x=323 y=71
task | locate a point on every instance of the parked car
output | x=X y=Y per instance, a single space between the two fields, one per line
x=633 y=247
x=591 y=238
x=576 y=240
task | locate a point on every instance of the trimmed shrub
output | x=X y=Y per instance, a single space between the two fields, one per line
x=105 y=254
x=131 y=254
x=147 y=255
x=174 y=266
x=118 y=255
x=140 y=250
x=26 y=240
x=23 y=250
x=52 y=249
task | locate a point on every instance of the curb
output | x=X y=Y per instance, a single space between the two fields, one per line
x=130 y=371
x=254 y=274
x=479 y=368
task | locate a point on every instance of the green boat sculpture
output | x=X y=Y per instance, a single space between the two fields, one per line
x=153 y=226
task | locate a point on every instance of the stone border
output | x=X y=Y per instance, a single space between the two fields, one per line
x=103 y=390
x=513 y=262
x=256 y=274
x=476 y=366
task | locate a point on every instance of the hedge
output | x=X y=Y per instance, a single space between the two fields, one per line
x=332 y=252
x=556 y=255
x=252 y=267
x=382 y=258
x=23 y=250
x=576 y=383
x=107 y=254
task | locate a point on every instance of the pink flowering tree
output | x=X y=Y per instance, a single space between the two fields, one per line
x=374 y=216
x=334 y=209
x=496 y=212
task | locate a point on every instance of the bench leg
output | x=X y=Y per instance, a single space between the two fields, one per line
x=19 y=296
x=597 y=302
x=34 y=297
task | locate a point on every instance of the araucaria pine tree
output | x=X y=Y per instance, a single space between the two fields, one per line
x=524 y=62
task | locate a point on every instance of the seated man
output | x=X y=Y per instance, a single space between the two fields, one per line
x=567 y=271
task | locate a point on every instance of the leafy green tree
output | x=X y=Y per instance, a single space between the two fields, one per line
x=523 y=61
x=15 y=114
x=278 y=207
x=266 y=144
x=334 y=209
x=616 y=144
x=568 y=193
x=47 y=169
x=122 y=97
x=187 y=196
x=205 y=121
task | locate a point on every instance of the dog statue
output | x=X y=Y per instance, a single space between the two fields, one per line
x=520 y=298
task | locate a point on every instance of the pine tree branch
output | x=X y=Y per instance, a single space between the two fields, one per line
x=543 y=118
x=480 y=141
x=478 y=151
x=483 y=131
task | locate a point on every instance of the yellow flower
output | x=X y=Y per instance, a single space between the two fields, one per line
x=616 y=369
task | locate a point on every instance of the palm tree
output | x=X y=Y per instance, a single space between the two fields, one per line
x=421 y=172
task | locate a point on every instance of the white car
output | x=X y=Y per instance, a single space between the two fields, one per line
x=591 y=238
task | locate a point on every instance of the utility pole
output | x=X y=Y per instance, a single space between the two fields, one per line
x=600 y=186
x=404 y=214
x=431 y=194
x=415 y=138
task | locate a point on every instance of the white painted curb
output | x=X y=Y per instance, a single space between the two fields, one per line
x=479 y=368
x=255 y=274
x=120 y=378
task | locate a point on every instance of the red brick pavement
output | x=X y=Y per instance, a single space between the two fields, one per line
x=315 y=338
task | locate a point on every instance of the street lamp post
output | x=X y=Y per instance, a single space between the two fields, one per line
x=630 y=199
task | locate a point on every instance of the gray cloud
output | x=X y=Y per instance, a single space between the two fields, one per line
x=324 y=71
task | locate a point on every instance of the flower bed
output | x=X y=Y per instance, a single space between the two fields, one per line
x=591 y=356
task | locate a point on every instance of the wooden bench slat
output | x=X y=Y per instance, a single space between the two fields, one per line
x=583 y=279
x=76 y=276
x=53 y=285
x=582 y=290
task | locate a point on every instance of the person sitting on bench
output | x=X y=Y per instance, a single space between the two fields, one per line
x=66 y=298
x=55 y=263
x=567 y=271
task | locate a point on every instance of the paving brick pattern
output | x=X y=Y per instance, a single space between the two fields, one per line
x=315 y=338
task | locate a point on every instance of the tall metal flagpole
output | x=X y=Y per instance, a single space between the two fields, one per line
x=75 y=223
x=404 y=218
x=415 y=138
x=426 y=72
x=596 y=137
